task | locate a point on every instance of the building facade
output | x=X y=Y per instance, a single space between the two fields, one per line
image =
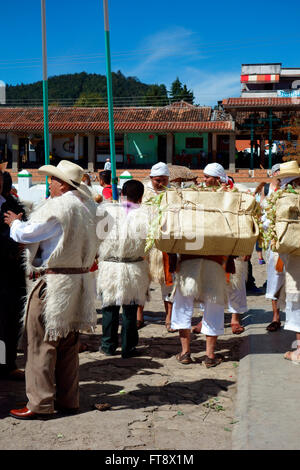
x=178 y=133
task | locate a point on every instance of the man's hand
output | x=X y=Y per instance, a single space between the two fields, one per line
x=10 y=217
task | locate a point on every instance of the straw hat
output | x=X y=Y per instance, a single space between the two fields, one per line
x=68 y=172
x=289 y=169
x=183 y=172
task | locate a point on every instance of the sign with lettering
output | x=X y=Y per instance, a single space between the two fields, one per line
x=288 y=93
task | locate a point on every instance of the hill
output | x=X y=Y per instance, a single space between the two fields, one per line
x=83 y=89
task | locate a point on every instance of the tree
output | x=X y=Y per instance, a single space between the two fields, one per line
x=90 y=99
x=180 y=92
x=156 y=95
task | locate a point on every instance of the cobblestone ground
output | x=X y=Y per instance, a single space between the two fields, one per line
x=156 y=403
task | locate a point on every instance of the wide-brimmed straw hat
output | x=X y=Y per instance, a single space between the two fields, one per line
x=68 y=172
x=289 y=169
x=182 y=172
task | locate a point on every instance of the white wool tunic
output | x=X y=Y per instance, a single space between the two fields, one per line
x=70 y=300
x=123 y=274
x=202 y=279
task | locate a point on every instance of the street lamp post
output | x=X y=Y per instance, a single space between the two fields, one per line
x=45 y=91
x=110 y=103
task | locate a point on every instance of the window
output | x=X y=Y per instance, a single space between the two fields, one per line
x=194 y=143
x=103 y=147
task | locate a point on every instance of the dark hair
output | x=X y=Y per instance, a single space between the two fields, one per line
x=133 y=190
x=106 y=176
x=7 y=183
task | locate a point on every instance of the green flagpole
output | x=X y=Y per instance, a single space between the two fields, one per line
x=110 y=104
x=45 y=91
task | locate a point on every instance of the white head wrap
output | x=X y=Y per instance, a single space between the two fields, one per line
x=160 y=169
x=275 y=168
x=216 y=170
x=285 y=181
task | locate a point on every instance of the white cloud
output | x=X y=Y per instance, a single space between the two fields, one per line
x=211 y=87
x=172 y=44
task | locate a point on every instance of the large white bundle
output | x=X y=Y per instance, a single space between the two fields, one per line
x=207 y=222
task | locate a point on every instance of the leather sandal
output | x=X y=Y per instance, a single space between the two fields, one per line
x=237 y=329
x=169 y=329
x=197 y=329
x=213 y=362
x=274 y=326
x=184 y=358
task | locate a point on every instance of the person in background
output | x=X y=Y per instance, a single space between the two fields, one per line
x=12 y=282
x=289 y=174
x=105 y=181
x=123 y=276
x=159 y=262
x=275 y=268
x=107 y=165
x=61 y=302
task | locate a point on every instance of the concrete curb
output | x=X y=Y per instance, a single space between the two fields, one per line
x=267 y=403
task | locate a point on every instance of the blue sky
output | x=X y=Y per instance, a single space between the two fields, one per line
x=203 y=43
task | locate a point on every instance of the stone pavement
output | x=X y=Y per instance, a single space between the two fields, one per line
x=158 y=404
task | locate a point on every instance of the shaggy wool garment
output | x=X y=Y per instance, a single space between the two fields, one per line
x=202 y=279
x=123 y=273
x=70 y=298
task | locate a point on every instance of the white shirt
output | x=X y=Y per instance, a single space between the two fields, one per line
x=47 y=234
x=107 y=166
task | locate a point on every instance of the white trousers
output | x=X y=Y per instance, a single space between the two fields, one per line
x=183 y=308
x=292 y=316
x=166 y=292
x=275 y=280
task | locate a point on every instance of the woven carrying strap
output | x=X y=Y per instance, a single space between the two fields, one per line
x=65 y=271
x=123 y=260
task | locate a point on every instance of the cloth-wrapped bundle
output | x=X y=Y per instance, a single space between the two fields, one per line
x=287 y=224
x=203 y=222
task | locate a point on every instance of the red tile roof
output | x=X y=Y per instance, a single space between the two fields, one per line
x=169 y=118
x=260 y=102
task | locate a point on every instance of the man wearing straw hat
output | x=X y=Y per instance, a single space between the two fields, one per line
x=289 y=174
x=61 y=242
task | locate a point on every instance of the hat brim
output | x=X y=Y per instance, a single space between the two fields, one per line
x=288 y=174
x=50 y=170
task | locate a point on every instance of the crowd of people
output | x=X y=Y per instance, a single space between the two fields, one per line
x=78 y=242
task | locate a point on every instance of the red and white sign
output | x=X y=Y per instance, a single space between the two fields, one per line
x=269 y=78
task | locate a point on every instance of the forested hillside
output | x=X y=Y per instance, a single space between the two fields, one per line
x=83 y=89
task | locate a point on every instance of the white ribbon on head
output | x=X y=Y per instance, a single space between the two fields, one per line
x=160 y=169
x=217 y=171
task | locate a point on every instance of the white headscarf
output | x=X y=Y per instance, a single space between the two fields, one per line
x=216 y=170
x=160 y=169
